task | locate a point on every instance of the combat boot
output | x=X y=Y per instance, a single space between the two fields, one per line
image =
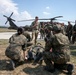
x=18 y=63
x=12 y=64
x=49 y=69
x=70 y=68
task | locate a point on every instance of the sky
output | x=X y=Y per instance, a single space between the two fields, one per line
x=28 y=9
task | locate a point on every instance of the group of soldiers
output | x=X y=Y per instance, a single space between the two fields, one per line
x=68 y=30
x=71 y=32
x=56 y=53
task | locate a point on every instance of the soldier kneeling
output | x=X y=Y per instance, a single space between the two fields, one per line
x=14 y=51
x=57 y=53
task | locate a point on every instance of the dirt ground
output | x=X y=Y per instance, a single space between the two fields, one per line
x=6 y=30
x=28 y=68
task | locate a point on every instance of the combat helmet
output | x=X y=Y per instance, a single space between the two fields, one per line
x=50 y=27
x=56 y=28
x=20 y=30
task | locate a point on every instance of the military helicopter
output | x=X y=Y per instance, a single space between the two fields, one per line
x=14 y=26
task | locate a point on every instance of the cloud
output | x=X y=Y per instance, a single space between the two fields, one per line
x=8 y=6
x=23 y=15
x=47 y=7
x=46 y=13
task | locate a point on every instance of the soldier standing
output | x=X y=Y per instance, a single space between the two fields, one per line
x=57 y=52
x=63 y=29
x=42 y=31
x=69 y=31
x=74 y=33
x=18 y=43
x=35 y=25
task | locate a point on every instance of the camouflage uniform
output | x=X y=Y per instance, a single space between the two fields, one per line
x=74 y=34
x=27 y=35
x=42 y=31
x=29 y=38
x=17 y=44
x=35 y=30
x=69 y=31
x=56 y=50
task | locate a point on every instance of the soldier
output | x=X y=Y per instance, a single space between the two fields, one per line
x=27 y=35
x=57 y=52
x=29 y=38
x=69 y=31
x=17 y=43
x=35 y=25
x=74 y=33
x=42 y=31
x=63 y=29
x=47 y=26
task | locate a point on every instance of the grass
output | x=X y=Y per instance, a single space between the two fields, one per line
x=28 y=68
x=3 y=41
x=73 y=53
x=6 y=30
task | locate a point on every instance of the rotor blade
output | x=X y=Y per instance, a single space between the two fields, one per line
x=48 y=19
x=6 y=22
x=41 y=19
x=26 y=20
x=5 y=16
x=44 y=19
x=58 y=17
x=52 y=18
x=12 y=19
x=65 y=20
x=11 y=14
x=33 y=19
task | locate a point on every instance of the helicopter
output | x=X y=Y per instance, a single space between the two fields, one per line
x=14 y=26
